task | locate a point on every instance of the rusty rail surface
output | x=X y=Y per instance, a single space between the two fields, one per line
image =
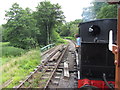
x=39 y=68
x=42 y=66
x=46 y=86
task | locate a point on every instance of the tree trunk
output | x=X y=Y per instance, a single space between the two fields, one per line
x=48 y=41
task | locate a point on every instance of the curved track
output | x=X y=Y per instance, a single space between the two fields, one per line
x=58 y=69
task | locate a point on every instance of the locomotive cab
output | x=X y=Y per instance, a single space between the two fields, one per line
x=96 y=59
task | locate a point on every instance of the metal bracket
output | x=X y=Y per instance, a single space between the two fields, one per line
x=116 y=51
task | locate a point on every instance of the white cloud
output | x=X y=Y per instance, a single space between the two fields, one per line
x=72 y=8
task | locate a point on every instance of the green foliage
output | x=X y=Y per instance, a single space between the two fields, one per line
x=26 y=29
x=70 y=28
x=4 y=44
x=99 y=10
x=88 y=14
x=1 y=29
x=96 y=7
x=70 y=38
x=55 y=36
x=107 y=11
x=11 y=51
x=65 y=30
x=60 y=40
x=17 y=68
x=5 y=60
x=48 y=16
x=20 y=30
x=8 y=50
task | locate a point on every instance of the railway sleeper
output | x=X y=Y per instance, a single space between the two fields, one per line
x=58 y=74
x=49 y=70
x=51 y=63
x=59 y=70
x=45 y=77
x=75 y=68
x=50 y=66
x=55 y=57
x=57 y=77
x=55 y=82
x=48 y=73
x=61 y=65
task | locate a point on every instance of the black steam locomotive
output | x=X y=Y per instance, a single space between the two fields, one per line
x=96 y=62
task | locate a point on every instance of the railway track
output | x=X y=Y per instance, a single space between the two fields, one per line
x=66 y=73
x=43 y=74
x=58 y=69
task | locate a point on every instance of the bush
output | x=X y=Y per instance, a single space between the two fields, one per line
x=70 y=38
x=60 y=40
x=11 y=51
x=4 y=44
x=55 y=36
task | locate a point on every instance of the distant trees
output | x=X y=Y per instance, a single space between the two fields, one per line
x=27 y=29
x=20 y=29
x=88 y=14
x=48 y=16
x=107 y=11
x=99 y=10
x=70 y=28
x=1 y=35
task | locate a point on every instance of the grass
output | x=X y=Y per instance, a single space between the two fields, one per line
x=17 y=63
x=5 y=59
x=8 y=52
x=11 y=51
x=19 y=67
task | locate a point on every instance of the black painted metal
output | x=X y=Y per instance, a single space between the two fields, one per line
x=105 y=26
x=96 y=58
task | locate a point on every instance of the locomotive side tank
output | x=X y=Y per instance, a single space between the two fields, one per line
x=96 y=59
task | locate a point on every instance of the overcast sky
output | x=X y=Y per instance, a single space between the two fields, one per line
x=72 y=8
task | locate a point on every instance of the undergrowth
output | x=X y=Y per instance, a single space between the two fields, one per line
x=18 y=67
x=11 y=51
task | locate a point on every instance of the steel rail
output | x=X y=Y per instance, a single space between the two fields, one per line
x=39 y=67
x=60 y=58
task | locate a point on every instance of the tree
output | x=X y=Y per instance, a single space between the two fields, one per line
x=48 y=16
x=20 y=29
x=70 y=28
x=1 y=35
x=65 y=30
x=88 y=14
x=99 y=10
x=107 y=11
x=96 y=6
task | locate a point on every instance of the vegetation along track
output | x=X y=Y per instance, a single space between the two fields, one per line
x=58 y=69
x=44 y=72
x=66 y=73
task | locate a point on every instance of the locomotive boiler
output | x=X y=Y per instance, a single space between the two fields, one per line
x=96 y=61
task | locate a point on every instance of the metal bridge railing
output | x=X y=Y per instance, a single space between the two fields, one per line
x=47 y=47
